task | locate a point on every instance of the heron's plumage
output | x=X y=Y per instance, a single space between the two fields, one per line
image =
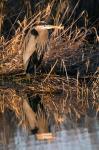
x=35 y=48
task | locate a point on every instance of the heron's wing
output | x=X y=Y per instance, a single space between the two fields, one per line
x=41 y=49
x=28 y=50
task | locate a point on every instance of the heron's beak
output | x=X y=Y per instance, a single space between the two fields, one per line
x=49 y=27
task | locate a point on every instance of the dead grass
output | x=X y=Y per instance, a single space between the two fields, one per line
x=1 y=14
x=66 y=42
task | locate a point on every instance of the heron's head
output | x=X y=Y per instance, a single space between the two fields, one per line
x=41 y=35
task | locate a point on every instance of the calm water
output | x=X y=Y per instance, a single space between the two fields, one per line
x=70 y=136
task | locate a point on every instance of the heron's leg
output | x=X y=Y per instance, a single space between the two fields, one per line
x=28 y=77
x=34 y=70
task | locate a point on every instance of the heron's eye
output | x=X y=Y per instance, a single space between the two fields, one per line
x=34 y=32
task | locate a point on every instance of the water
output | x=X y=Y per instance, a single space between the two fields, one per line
x=77 y=137
x=70 y=135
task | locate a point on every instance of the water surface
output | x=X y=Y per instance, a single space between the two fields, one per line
x=70 y=136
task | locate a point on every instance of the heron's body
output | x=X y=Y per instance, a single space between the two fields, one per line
x=35 y=48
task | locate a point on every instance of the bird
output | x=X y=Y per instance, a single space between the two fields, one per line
x=35 y=48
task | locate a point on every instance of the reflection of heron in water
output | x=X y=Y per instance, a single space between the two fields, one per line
x=36 y=114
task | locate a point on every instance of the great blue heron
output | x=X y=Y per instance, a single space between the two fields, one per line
x=35 y=48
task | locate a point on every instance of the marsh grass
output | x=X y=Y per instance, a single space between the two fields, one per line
x=1 y=14
x=61 y=96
